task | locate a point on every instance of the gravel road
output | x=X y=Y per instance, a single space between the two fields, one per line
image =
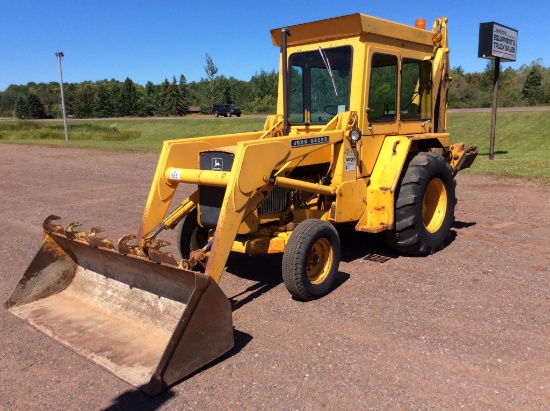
x=467 y=327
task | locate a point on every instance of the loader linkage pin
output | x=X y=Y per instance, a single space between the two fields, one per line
x=197 y=257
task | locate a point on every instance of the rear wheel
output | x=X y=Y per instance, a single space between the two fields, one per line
x=311 y=259
x=424 y=205
x=191 y=236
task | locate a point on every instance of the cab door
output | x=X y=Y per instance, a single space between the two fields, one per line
x=415 y=113
x=382 y=106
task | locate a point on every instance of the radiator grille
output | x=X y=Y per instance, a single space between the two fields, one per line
x=275 y=202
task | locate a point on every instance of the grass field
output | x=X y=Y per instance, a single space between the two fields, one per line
x=144 y=135
x=521 y=143
x=521 y=149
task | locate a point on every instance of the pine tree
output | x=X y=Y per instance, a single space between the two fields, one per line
x=127 y=98
x=184 y=108
x=151 y=105
x=36 y=108
x=21 y=108
x=174 y=101
x=103 y=105
x=532 y=90
x=213 y=92
x=84 y=101
x=115 y=97
x=164 y=98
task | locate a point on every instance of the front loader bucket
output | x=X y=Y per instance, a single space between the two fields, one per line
x=149 y=324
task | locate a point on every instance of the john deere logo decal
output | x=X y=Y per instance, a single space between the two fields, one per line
x=310 y=141
x=217 y=164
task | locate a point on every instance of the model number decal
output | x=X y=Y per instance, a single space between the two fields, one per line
x=350 y=163
x=310 y=141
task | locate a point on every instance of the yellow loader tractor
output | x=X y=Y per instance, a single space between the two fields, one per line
x=359 y=136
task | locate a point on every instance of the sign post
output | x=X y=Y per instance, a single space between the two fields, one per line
x=498 y=43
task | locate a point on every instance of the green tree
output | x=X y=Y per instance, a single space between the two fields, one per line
x=84 y=101
x=7 y=101
x=36 y=108
x=127 y=99
x=103 y=104
x=173 y=101
x=532 y=91
x=164 y=97
x=213 y=93
x=21 y=109
x=115 y=97
x=150 y=104
x=184 y=96
x=263 y=91
x=70 y=90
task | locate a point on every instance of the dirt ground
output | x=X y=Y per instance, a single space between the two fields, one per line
x=468 y=327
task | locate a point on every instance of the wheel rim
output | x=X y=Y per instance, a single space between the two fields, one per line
x=319 y=260
x=434 y=205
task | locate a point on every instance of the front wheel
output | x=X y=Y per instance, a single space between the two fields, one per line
x=424 y=205
x=311 y=259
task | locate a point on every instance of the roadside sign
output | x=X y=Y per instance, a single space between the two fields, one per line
x=497 y=41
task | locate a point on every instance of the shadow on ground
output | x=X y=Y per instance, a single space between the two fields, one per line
x=134 y=399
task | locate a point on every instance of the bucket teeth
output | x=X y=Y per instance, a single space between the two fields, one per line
x=71 y=234
x=124 y=248
x=96 y=241
x=51 y=228
x=158 y=256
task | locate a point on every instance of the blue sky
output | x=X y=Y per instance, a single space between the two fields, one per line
x=151 y=40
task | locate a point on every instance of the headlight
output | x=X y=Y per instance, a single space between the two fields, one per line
x=355 y=135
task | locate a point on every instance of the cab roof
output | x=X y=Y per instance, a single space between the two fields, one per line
x=352 y=25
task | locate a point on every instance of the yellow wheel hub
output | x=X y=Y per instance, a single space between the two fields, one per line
x=434 y=205
x=319 y=260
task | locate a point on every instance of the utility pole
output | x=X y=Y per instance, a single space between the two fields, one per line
x=59 y=54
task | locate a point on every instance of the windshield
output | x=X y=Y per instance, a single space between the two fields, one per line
x=320 y=83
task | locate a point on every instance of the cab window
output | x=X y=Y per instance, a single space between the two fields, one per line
x=416 y=98
x=320 y=84
x=382 y=103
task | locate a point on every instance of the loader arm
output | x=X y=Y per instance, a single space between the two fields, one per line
x=182 y=154
x=253 y=166
x=185 y=154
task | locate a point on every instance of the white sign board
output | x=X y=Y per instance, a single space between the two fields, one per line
x=505 y=42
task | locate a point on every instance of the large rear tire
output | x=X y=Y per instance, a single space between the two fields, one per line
x=191 y=236
x=424 y=205
x=311 y=259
